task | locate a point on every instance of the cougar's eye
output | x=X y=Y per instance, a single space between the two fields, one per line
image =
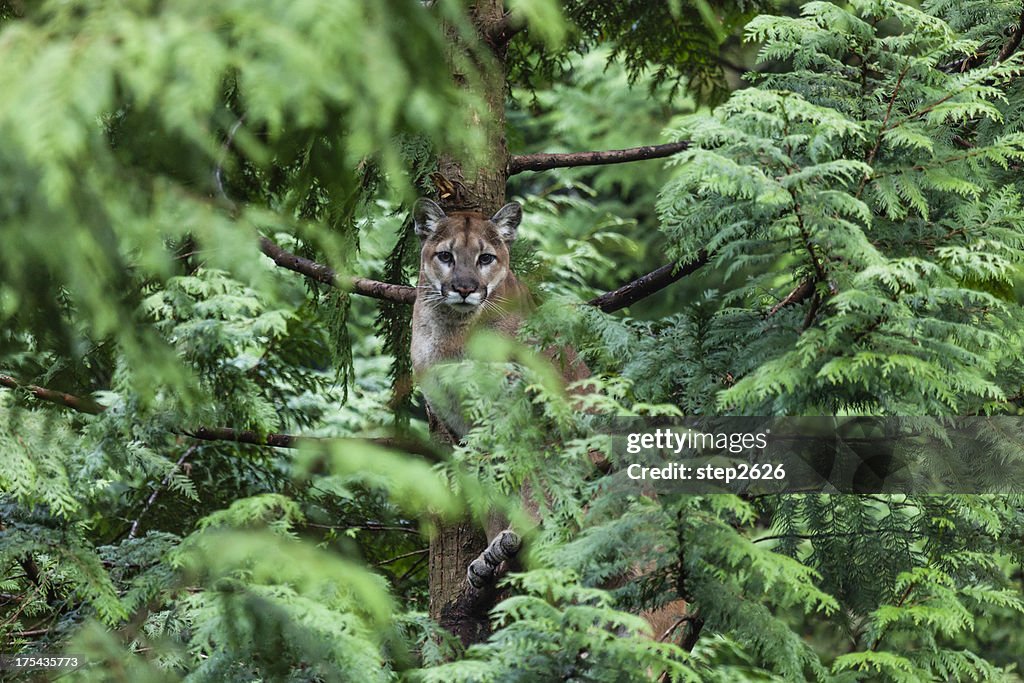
x=487 y=259
x=444 y=256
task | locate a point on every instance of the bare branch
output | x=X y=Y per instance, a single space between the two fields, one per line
x=325 y=274
x=82 y=405
x=609 y=302
x=244 y=436
x=542 y=162
x=36 y=576
x=967 y=63
x=646 y=285
x=369 y=526
x=676 y=624
x=413 y=553
x=276 y=440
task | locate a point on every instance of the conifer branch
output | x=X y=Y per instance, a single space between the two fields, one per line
x=819 y=269
x=646 y=285
x=799 y=294
x=542 y=162
x=885 y=629
x=246 y=436
x=35 y=575
x=134 y=529
x=1008 y=49
x=972 y=61
x=322 y=273
x=832 y=535
x=881 y=131
x=1014 y=42
x=91 y=407
x=77 y=403
x=608 y=302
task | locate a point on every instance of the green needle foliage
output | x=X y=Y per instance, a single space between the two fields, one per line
x=882 y=178
x=122 y=121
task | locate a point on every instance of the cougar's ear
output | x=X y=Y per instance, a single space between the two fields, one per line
x=426 y=215
x=507 y=220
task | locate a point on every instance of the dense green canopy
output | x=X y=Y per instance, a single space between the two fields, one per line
x=213 y=467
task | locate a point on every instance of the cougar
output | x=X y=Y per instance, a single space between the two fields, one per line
x=465 y=281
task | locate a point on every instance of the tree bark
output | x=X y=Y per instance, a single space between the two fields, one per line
x=631 y=292
x=543 y=162
x=451 y=550
x=466 y=181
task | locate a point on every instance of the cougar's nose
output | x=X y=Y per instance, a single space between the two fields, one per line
x=464 y=290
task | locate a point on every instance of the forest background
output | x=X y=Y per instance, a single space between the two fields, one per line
x=212 y=465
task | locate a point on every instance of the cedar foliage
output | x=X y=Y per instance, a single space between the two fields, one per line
x=877 y=157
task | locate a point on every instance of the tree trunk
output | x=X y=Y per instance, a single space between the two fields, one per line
x=468 y=181
x=465 y=182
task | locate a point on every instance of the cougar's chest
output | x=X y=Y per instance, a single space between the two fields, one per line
x=435 y=341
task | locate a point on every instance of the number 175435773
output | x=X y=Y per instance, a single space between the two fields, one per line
x=41 y=661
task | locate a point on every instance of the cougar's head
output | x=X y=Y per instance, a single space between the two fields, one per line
x=464 y=256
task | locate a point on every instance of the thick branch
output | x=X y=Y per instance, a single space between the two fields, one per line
x=692 y=634
x=542 y=162
x=609 y=302
x=646 y=285
x=501 y=32
x=325 y=274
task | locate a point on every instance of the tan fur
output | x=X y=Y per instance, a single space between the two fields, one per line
x=439 y=331
x=465 y=283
